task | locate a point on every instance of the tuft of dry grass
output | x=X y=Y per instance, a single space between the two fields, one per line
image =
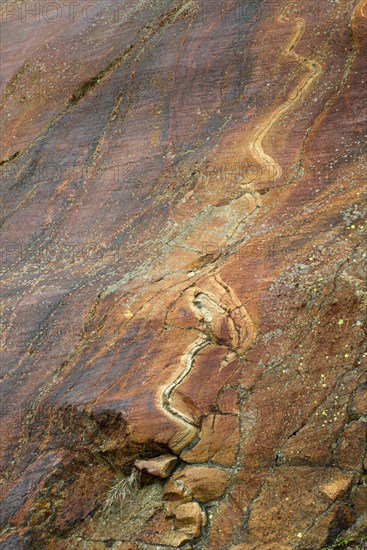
x=122 y=489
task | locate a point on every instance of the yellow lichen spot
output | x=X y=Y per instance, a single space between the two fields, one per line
x=299 y=535
x=346 y=355
x=340 y=322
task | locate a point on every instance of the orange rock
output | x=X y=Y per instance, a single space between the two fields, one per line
x=337 y=487
x=204 y=483
x=161 y=466
x=189 y=518
x=175 y=490
x=218 y=441
x=183 y=189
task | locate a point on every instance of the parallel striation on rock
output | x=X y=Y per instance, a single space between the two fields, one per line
x=184 y=275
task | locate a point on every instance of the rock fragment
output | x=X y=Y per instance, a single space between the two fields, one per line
x=190 y=518
x=205 y=483
x=160 y=466
x=336 y=488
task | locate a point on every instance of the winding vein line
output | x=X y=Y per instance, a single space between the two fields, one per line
x=187 y=360
x=244 y=337
x=314 y=69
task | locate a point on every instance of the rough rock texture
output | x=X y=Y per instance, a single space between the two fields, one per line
x=184 y=273
x=161 y=466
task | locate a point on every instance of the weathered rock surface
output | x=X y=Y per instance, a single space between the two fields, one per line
x=189 y=518
x=204 y=483
x=161 y=466
x=184 y=274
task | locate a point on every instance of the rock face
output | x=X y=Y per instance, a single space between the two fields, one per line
x=184 y=275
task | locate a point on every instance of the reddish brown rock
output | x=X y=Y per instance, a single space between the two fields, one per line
x=281 y=512
x=175 y=490
x=228 y=401
x=226 y=519
x=336 y=488
x=218 y=441
x=189 y=518
x=161 y=466
x=359 y=499
x=204 y=483
x=183 y=257
x=327 y=527
x=352 y=446
x=158 y=531
x=359 y=402
x=325 y=423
